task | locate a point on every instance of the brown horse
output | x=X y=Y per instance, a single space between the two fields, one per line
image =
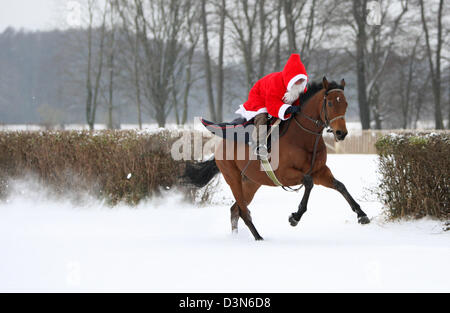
x=323 y=105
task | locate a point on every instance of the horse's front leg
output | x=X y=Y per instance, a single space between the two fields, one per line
x=325 y=178
x=295 y=217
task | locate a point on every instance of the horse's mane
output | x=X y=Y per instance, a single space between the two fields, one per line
x=315 y=87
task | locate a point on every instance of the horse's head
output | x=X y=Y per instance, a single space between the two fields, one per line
x=334 y=108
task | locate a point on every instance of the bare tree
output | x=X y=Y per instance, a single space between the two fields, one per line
x=279 y=33
x=255 y=32
x=159 y=24
x=136 y=63
x=208 y=72
x=360 y=15
x=407 y=79
x=289 y=9
x=309 y=28
x=373 y=45
x=185 y=73
x=130 y=28
x=111 y=64
x=382 y=40
x=192 y=29
x=94 y=89
x=243 y=17
x=435 y=65
x=270 y=33
x=162 y=39
x=220 y=70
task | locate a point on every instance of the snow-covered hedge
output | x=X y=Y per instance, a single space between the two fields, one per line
x=113 y=165
x=415 y=174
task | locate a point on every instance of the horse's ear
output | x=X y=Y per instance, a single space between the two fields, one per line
x=343 y=83
x=325 y=83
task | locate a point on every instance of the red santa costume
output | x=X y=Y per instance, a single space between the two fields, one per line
x=271 y=93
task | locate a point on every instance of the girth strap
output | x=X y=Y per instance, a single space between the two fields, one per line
x=265 y=163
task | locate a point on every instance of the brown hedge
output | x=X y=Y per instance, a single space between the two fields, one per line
x=415 y=173
x=94 y=162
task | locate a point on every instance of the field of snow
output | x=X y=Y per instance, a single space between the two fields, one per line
x=166 y=245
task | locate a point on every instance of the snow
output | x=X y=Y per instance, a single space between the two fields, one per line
x=167 y=245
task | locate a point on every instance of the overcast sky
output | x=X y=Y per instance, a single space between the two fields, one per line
x=33 y=14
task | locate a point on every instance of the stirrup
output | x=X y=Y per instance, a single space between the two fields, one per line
x=261 y=151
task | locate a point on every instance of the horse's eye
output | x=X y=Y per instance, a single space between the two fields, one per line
x=337 y=99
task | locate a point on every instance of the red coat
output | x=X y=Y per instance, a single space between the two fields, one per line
x=267 y=94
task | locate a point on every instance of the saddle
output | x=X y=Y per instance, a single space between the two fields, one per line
x=240 y=130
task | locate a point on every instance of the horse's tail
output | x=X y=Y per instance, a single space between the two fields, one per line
x=200 y=174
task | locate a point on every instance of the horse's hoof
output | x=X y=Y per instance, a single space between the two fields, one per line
x=363 y=220
x=259 y=238
x=293 y=221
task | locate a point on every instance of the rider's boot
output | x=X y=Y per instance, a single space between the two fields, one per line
x=259 y=145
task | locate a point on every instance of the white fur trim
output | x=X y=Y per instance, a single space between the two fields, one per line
x=248 y=115
x=282 y=110
x=295 y=79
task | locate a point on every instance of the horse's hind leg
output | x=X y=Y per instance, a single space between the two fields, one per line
x=295 y=217
x=234 y=218
x=249 y=189
x=244 y=213
x=243 y=197
x=325 y=178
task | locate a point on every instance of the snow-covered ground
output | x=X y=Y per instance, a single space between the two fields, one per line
x=167 y=245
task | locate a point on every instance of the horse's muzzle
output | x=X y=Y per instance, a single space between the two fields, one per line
x=340 y=135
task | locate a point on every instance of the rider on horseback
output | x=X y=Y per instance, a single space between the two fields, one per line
x=275 y=94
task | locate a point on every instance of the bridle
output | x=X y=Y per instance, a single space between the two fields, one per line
x=328 y=121
x=322 y=123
